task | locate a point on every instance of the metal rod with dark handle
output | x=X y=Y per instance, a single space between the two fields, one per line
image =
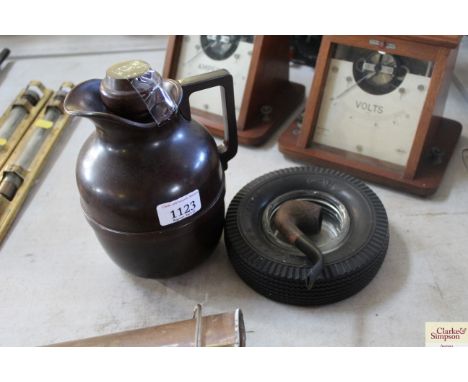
x=204 y=81
x=4 y=55
x=296 y=219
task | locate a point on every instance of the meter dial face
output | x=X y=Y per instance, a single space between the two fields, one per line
x=379 y=73
x=219 y=47
x=372 y=103
x=202 y=54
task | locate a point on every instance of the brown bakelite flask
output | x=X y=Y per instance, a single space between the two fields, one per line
x=151 y=179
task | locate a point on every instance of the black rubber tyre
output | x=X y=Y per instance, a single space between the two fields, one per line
x=279 y=272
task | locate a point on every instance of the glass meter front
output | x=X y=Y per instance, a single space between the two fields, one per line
x=372 y=103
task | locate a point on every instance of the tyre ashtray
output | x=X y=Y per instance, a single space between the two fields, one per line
x=306 y=235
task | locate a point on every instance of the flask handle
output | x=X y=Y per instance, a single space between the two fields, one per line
x=204 y=81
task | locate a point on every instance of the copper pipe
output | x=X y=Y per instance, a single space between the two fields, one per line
x=225 y=329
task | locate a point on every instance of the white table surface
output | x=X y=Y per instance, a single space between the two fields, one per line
x=57 y=284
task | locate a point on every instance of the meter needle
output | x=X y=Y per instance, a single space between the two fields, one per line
x=369 y=75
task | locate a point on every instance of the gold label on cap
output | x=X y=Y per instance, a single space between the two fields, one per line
x=128 y=69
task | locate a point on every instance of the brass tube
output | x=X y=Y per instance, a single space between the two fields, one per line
x=37 y=139
x=24 y=153
x=18 y=113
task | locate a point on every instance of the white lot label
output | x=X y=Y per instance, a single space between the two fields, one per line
x=179 y=209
